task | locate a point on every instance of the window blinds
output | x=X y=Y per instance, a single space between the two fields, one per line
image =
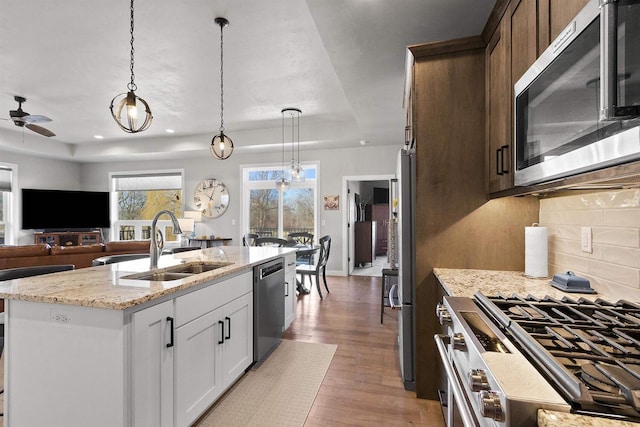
x=148 y=182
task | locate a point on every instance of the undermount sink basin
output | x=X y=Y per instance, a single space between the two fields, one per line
x=177 y=272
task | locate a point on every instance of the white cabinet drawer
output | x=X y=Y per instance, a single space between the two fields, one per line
x=202 y=301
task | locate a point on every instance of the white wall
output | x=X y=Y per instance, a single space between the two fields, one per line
x=333 y=165
x=36 y=172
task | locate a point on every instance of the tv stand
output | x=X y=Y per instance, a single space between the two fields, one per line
x=68 y=238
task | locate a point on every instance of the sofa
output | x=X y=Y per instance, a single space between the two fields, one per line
x=80 y=256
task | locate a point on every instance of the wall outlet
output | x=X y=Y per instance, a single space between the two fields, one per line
x=233 y=222
x=586 y=240
x=61 y=318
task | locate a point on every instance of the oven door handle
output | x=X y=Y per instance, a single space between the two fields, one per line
x=468 y=420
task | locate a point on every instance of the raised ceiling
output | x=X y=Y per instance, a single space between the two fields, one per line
x=342 y=62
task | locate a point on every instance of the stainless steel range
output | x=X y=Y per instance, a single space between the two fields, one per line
x=589 y=350
x=490 y=382
x=507 y=357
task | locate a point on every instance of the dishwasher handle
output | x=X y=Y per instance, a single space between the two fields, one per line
x=270 y=270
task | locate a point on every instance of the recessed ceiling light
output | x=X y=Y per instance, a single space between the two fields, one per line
x=363 y=142
x=170 y=130
x=98 y=136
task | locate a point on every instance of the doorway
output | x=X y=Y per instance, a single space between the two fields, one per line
x=367 y=224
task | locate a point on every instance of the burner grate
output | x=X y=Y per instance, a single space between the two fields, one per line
x=590 y=350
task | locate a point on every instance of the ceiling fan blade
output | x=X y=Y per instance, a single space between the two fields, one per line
x=39 y=129
x=35 y=118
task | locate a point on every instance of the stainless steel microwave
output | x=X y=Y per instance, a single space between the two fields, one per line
x=577 y=108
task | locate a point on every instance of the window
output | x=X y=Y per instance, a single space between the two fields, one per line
x=7 y=179
x=137 y=197
x=270 y=212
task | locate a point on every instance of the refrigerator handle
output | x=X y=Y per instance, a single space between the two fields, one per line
x=394 y=301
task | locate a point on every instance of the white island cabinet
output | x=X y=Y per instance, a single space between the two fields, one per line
x=115 y=345
x=214 y=344
x=159 y=364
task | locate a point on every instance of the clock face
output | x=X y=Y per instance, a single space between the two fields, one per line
x=211 y=197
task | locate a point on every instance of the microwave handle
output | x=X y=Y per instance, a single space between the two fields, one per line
x=458 y=393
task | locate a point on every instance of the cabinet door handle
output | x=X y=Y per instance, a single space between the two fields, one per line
x=504 y=148
x=498 y=161
x=221 y=323
x=286 y=289
x=228 y=337
x=170 y=320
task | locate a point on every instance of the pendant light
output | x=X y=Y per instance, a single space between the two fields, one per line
x=131 y=101
x=297 y=172
x=283 y=183
x=221 y=145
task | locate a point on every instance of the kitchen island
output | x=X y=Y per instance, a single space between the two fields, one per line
x=108 y=345
x=467 y=282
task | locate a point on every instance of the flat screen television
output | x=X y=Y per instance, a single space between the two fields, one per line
x=62 y=210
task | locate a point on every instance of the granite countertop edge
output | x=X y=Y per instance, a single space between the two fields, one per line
x=107 y=287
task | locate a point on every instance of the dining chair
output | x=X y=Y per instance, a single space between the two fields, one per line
x=320 y=267
x=270 y=241
x=301 y=237
x=249 y=239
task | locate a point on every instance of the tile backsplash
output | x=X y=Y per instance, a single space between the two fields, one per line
x=613 y=266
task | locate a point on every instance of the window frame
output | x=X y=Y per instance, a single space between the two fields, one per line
x=10 y=212
x=247 y=186
x=138 y=225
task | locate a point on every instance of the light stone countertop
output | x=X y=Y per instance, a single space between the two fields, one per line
x=105 y=287
x=466 y=282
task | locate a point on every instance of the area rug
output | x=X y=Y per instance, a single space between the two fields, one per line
x=278 y=392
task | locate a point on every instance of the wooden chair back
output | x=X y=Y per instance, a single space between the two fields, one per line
x=249 y=239
x=301 y=238
x=270 y=241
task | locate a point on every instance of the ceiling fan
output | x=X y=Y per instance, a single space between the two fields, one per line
x=23 y=119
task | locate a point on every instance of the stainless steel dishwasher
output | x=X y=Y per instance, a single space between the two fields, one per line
x=268 y=306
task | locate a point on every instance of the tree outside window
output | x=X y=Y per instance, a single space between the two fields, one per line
x=275 y=213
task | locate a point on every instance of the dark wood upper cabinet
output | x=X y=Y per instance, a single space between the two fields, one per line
x=555 y=15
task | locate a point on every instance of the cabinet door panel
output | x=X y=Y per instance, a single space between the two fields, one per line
x=238 y=342
x=152 y=366
x=290 y=299
x=198 y=366
x=524 y=37
x=498 y=112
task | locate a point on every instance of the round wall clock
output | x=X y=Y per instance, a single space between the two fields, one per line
x=211 y=197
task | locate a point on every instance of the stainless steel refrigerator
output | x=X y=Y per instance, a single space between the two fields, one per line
x=406 y=175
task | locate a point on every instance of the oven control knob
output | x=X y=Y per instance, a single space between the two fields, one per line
x=458 y=342
x=490 y=405
x=478 y=380
x=443 y=314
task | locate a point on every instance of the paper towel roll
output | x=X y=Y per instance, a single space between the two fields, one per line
x=535 y=251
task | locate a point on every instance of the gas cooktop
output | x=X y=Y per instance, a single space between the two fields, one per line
x=589 y=350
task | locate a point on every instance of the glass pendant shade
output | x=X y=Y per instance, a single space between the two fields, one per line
x=283 y=184
x=221 y=146
x=130 y=104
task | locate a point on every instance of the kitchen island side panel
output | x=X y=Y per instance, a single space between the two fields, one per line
x=67 y=359
x=456 y=225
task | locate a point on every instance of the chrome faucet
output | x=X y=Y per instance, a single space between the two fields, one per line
x=153 y=250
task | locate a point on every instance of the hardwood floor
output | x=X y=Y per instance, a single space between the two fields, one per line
x=362 y=386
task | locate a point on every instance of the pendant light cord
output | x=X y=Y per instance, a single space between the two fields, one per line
x=221 y=78
x=132 y=86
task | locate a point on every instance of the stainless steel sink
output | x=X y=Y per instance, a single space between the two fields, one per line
x=177 y=272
